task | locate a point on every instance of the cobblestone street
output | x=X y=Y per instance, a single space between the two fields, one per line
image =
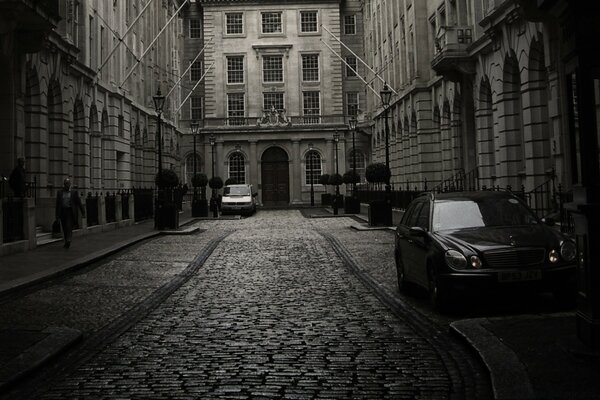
x=273 y=312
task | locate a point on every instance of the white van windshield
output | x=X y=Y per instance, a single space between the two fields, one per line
x=236 y=191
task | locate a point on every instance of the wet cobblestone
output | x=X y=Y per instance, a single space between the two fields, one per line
x=273 y=313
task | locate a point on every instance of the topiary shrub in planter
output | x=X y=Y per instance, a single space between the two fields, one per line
x=167 y=214
x=380 y=211
x=166 y=179
x=231 y=181
x=351 y=203
x=338 y=200
x=326 y=198
x=200 y=206
x=215 y=183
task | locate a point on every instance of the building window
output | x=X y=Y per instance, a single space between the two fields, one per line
x=237 y=168
x=196 y=107
x=308 y=22
x=352 y=102
x=313 y=167
x=274 y=100
x=234 y=23
x=235 y=69
x=273 y=69
x=271 y=22
x=351 y=66
x=311 y=107
x=195 y=29
x=310 y=67
x=235 y=108
x=350 y=24
x=196 y=71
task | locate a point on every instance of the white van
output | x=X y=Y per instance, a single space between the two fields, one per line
x=238 y=199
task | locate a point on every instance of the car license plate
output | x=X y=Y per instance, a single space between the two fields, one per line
x=517 y=276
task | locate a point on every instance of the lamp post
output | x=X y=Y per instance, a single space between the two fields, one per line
x=352 y=126
x=336 y=138
x=195 y=205
x=386 y=95
x=159 y=102
x=213 y=195
x=310 y=159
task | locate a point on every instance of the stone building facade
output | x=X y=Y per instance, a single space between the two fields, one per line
x=274 y=93
x=478 y=94
x=77 y=104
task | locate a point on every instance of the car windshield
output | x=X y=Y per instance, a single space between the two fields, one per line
x=484 y=212
x=236 y=191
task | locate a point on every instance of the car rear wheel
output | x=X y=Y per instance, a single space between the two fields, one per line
x=439 y=295
x=401 y=276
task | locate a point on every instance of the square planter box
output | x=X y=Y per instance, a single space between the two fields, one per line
x=351 y=205
x=200 y=208
x=326 y=199
x=167 y=216
x=380 y=213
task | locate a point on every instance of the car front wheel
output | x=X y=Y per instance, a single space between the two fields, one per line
x=439 y=295
x=402 y=284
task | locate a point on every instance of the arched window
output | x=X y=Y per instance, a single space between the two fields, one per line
x=313 y=167
x=237 y=168
x=189 y=168
x=359 y=156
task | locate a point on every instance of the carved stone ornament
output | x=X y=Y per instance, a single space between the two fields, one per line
x=274 y=117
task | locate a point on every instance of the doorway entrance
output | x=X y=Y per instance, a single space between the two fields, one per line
x=275 y=177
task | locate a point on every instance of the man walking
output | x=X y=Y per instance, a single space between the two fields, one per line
x=17 y=178
x=67 y=205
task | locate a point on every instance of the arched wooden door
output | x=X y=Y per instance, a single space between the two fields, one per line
x=275 y=177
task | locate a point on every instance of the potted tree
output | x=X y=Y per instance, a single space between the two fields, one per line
x=351 y=203
x=215 y=183
x=325 y=197
x=338 y=200
x=200 y=206
x=380 y=211
x=167 y=215
x=231 y=181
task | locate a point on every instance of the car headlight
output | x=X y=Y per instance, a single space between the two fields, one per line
x=475 y=262
x=553 y=256
x=455 y=259
x=568 y=250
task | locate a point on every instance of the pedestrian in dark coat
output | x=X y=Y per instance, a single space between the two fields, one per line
x=67 y=205
x=17 y=179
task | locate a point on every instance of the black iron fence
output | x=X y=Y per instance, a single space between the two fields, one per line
x=13 y=221
x=110 y=207
x=92 y=203
x=124 y=204
x=143 y=203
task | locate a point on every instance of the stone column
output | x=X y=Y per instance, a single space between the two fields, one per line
x=296 y=178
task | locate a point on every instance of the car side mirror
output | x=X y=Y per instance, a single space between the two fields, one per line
x=549 y=221
x=417 y=231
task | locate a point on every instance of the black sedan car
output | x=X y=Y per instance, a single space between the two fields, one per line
x=463 y=242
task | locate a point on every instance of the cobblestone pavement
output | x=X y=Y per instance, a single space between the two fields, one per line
x=274 y=312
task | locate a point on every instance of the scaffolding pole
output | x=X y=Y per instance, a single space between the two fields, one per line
x=152 y=43
x=194 y=88
x=122 y=38
x=358 y=58
x=188 y=68
x=353 y=70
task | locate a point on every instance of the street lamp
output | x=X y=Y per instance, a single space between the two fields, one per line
x=159 y=102
x=195 y=205
x=352 y=126
x=311 y=164
x=386 y=95
x=336 y=138
x=213 y=196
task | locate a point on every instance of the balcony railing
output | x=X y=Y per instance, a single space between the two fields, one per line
x=277 y=122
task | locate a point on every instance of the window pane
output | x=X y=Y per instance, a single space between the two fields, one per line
x=274 y=100
x=308 y=21
x=237 y=169
x=195 y=29
x=351 y=66
x=311 y=107
x=235 y=69
x=349 y=25
x=196 y=107
x=352 y=103
x=271 y=22
x=313 y=167
x=196 y=71
x=273 y=69
x=235 y=23
x=235 y=108
x=310 y=67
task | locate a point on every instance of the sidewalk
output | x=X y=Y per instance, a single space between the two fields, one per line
x=528 y=356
